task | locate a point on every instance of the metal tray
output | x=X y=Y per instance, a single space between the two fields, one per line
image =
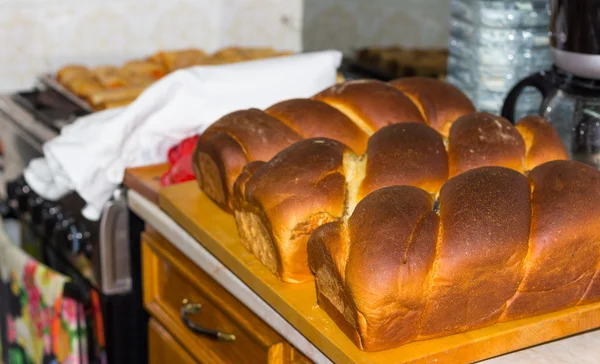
x=50 y=81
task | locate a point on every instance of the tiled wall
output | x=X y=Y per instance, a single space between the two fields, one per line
x=350 y=24
x=40 y=35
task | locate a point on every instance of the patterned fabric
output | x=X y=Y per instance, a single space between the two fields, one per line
x=38 y=324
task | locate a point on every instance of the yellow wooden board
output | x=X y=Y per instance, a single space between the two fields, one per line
x=145 y=180
x=216 y=231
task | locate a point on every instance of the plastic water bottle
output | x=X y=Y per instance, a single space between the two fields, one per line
x=493 y=45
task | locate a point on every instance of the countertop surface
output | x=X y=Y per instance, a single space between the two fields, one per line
x=582 y=348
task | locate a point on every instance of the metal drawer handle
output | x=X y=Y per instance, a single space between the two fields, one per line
x=194 y=309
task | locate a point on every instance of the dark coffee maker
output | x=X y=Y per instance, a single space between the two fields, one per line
x=571 y=89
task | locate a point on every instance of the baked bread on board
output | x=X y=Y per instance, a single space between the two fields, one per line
x=349 y=112
x=416 y=216
x=495 y=246
x=279 y=204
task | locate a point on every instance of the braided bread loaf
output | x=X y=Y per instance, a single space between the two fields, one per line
x=278 y=204
x=495 y=246
x=348 y=112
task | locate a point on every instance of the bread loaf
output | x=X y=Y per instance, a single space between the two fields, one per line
x=218 y=160
x=400 y=154
x=501 y=246
x=349 y=112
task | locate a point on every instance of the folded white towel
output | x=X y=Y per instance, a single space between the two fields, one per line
x=90 y=155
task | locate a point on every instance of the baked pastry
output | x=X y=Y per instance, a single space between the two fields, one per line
x=439 y=102
x=351 y=111
x=482 y=139
x=371 y=104
x=278 y=204
x=400 y=62
x=67 y=73
x=144 y=69
x=564 y=241
x=348 y=112
x=230 y=143
x=108 y=76
x=311 y=118
x=84 y=85
x=215 y=168
x=542 y=142
x=495 y=246
x=399 y=154
x=174 y=60
x=91 y=84
x=112 y=104
x=104 y=96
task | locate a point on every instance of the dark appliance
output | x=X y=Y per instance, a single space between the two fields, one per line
x=94 y=254
x=571 y=89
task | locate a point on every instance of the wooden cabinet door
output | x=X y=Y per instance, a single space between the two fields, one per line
x=163 y=348
x=173 y=283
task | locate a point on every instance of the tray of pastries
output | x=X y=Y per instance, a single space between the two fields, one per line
x=109 y=86
x=393 y=62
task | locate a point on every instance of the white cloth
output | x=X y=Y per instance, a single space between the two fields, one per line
x=90 y=155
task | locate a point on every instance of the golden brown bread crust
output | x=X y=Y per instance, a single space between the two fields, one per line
x=392 y=234
x=485 y=216
x=351 y=111
x=405 y=154
x=389 y=247
x=327 y=254
x=400 y=154
x=503 y=247
x=371 y=104
x=217 y=160
x=482 y=139
x=312 y=119
x=411 y=274
x=231 y=142
x=239 y=186
x=284 y=200
x=260 y=135
x=564 y=242
x=542 y=142
x=439 y=102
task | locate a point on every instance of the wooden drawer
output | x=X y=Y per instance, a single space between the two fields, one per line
x=163 y=348
x=169 y=278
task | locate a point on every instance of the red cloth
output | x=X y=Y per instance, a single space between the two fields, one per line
x=180 y=160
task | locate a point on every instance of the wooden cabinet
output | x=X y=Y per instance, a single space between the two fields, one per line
x=176 y=290
x=163 y=348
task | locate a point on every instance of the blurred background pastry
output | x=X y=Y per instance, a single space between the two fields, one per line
x=109 y=86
